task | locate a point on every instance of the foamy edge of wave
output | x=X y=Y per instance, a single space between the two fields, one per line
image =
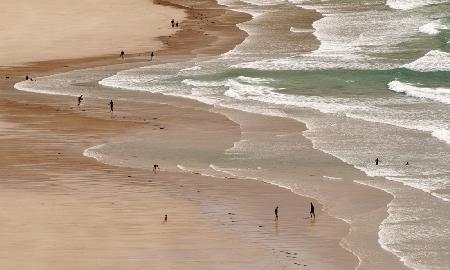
x=434 y=60
x=27 y=86
x=432 y=28
x=90 y=153
x=441 y=95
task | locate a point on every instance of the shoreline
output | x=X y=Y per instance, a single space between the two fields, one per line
x=138 y=58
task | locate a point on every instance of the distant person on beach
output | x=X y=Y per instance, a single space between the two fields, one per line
x=151 y=56
x=80 y=98
x=311 y=212
x=122 y=54
x=156 y=168
x=377 y=161
x=176 y=24
x=111 y=105
x=276 y=213
x=165 y=218
x=407 y=163
x=26 y=77
x=173 y=23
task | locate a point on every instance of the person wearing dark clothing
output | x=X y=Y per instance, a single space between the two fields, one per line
x=312 y=212
x=165 y=219
x=111 y=105
x=377 y=161
x=122 y=54
x=276 y=213
x=80 y=98
x=151 y=56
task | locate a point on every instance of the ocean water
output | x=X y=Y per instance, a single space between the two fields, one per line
x=378 y=85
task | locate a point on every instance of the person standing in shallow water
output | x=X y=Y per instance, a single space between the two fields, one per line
x=377 y=161
x=151 y=56
x=312 y=212
x=122 y=54
x=111 y=106
x=276 y=213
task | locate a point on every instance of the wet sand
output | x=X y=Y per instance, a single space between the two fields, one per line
x=63 y=210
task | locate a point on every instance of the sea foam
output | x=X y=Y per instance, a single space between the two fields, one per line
x=432 y=28
x=434 y=60
x=436 y=94
x=411 y=4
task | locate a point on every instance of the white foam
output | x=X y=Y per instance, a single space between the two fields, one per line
x=92 y=153
x=436 y=94
x=432 y=28
x=335 y=179
x=444 y=197
x=434 y=60
x=192 y=68
x=33 y=86
x=411 y=4
x=198 y=83
x=300 y=30
x=348 y=40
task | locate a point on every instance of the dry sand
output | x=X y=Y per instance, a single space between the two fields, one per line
x=48 y=30
x=61 y=210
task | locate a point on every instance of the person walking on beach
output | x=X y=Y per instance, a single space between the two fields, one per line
x=111 y=106
x=122 y=54
x=176 y=24
x=377 y=161
x=26 y=77
x=151 y=56
x=173 y=23
x=80 y=98
x=311 y=212
x=156 y=168
x=276 y=213
x=165 y=218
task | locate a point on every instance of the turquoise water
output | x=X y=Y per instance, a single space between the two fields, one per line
x=378 y=85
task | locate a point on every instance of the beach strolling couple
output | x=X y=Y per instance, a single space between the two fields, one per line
x=312 y=213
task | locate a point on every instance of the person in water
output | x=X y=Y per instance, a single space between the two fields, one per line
x=377 y=161
x=173 y=23
x=276 y=213
x=122 y=54
x=111 y=105
x=312 y=212
x=80 y=98
x=151 y=56
x=407 y=163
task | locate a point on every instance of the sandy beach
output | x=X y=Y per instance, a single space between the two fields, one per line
x=61 y=209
